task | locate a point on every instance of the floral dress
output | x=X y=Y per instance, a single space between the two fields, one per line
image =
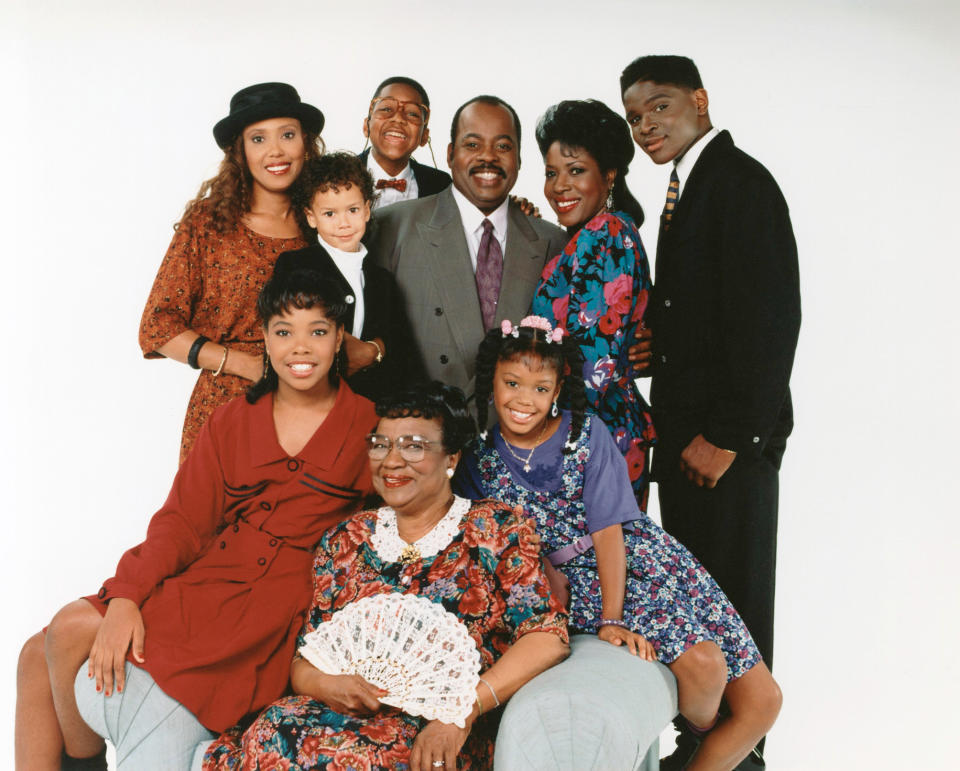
x=487 y=574
x=670 y=598
x=597 y=290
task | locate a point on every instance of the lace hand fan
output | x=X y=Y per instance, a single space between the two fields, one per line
x=407 y=645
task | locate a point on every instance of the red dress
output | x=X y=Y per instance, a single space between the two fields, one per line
x=224 y=576
x=209 y=282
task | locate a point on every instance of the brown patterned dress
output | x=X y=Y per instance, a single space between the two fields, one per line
x=209 y=282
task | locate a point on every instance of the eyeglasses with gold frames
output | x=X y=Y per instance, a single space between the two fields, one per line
x=387 y=107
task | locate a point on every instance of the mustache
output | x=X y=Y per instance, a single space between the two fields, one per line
x=488 y=167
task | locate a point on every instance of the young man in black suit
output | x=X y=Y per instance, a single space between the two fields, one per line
x=725 y=315
x=396 y=125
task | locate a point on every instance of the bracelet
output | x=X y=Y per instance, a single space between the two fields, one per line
x=223 y=361
x=479 y=705
x=195 y=351
x=611 y=622
x=496 y=701
x=379 y=357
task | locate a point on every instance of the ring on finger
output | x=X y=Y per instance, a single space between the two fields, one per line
x=439 y=763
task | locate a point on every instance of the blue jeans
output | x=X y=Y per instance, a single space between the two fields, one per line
x=150 y=731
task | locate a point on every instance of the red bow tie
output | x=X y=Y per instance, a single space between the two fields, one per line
x=396 y=184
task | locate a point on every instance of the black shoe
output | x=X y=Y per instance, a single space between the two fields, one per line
x=687 y=744
x=96 y=763
x=753 y=762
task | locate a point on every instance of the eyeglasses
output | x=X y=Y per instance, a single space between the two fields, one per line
x=386 y=107
x=411 y=448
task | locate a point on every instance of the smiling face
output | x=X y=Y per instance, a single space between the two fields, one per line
x=412 y=488
x=395 y=133
x=302 y=344
x=524 y=389
x=340 y=216
x=574 y=185
x=484 y=159
x=665 y=120
x=275 y=152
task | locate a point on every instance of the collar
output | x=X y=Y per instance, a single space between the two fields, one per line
x=686 y=163
x=390 y=547
x=377 y=172
x=473 y=218
x=341 y=257
x=325 y=444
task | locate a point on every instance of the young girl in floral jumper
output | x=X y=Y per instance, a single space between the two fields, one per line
x=630 y=582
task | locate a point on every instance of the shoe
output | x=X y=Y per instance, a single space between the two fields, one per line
x=687 y=744
x=753 y=762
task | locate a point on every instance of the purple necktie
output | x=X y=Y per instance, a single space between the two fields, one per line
x=489 y=273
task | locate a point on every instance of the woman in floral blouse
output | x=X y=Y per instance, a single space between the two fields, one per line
x=475 y=559
x=597 y=287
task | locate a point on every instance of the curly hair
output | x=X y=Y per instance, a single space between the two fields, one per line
x=591 y=126
x=229 y=193
x=432 y=401
x=332 y=171
x=531 y=343
x=298 y=287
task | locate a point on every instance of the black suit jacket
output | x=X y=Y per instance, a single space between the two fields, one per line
x=384 y=316
x=429 y=179
x=725 y=310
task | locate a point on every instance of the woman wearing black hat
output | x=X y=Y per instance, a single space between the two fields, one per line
x=201 y=309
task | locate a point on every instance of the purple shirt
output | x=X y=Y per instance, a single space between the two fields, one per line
x=607 y=495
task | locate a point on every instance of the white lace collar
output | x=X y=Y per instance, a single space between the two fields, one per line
x=390 y=546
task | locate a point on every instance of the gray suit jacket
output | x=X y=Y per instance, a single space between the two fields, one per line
x=422 y=243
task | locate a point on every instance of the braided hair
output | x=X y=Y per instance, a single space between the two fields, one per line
x=531 y=343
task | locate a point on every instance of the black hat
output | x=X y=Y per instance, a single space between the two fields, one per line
x=262 y=101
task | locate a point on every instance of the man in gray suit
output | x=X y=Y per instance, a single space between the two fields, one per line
x=466 y=258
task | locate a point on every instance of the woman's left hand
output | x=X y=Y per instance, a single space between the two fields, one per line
x=636 y=644
x=437 y=746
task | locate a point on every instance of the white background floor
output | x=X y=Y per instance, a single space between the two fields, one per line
x=105 y=134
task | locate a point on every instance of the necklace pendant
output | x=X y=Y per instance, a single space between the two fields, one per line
x=526 y=467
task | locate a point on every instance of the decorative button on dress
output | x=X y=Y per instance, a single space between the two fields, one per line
x=670 y=598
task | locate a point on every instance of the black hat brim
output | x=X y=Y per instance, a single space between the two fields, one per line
x=228 y=129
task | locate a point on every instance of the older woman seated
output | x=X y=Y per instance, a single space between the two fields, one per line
x=476 y=560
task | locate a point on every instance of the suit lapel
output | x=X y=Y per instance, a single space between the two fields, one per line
x=693 y=186
x=448 y=259
x=523 y=261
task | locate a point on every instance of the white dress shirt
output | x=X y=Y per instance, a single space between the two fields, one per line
x=350 y=264
x=685 y=165
x=391 y=195
x=472 y=219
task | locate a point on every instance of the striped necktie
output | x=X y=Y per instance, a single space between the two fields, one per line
x=673 y=193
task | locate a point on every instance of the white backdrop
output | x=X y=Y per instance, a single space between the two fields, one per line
x=105 y=134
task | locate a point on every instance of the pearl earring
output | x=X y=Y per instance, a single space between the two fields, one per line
x=449 y=473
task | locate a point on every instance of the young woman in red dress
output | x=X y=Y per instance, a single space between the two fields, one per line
x=202 y=617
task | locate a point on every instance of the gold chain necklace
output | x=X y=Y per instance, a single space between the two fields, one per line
x=526 y=461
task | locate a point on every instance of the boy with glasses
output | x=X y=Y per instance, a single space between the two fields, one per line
x=395 y=126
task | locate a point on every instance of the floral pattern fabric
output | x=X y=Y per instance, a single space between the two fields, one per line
x=597 y=290
x=209 y=282
x=670 y=597
x=489 y=576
